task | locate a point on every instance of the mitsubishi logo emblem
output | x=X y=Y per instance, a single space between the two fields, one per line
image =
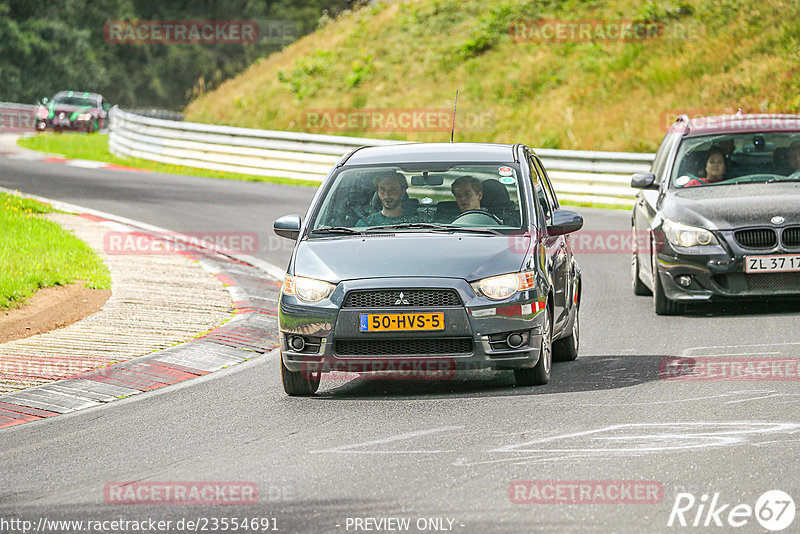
x=777 y=220
x=401 y=300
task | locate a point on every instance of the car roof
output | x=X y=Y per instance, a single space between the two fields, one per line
x=432 y=152
x=737 y=123
x=83 y=94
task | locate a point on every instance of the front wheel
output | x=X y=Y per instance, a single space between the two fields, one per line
x=661 y=304
x=299 y=383
x=539 y=375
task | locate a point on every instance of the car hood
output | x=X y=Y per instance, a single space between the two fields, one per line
x=458 y=255
x=726 y=207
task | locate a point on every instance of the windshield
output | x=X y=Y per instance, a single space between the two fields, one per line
x=442 y=196
x=737 y=158
x=78 y=101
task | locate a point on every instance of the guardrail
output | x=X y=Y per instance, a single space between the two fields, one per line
x=583 y=176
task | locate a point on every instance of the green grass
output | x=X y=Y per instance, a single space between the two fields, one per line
x=39 y=253
x=95 y=148
x=601 y=95
x=586 y=204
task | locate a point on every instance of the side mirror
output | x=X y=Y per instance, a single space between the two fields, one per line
x=565 y=222
x=287 y=226
x=644 y=180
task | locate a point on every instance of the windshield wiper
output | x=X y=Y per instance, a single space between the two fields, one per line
x=774 y=180
x=337 y=230
x=436 y=228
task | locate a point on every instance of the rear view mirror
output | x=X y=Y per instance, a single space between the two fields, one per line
x=427 y=179
x=565 y=222
x=644 y=180
x=287 y=226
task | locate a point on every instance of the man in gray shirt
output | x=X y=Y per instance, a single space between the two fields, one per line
x=391 y=186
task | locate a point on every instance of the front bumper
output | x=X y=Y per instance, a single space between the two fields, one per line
x=720 y=273
x=65 y=124
x=474 y=334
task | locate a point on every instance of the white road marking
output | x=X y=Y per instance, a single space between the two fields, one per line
x=691 y=399
x=349 y=449
x=771 y=395
x=666 y=437
x=690 y=350
x=86 y=164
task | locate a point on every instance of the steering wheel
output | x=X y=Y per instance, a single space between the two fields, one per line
x=494 y=218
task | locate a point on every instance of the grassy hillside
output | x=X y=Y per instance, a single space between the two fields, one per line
x=712 y=55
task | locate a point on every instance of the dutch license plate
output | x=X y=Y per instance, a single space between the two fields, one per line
x=380 y=322
x=772 y=264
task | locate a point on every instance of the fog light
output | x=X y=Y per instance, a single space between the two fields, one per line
x=297 y=343
x=515 y=341
x=685 y=280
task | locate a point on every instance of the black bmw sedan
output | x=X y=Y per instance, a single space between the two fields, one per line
x=718 y=216
x=419 y=258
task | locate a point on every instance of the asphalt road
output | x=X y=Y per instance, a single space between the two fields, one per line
x=445 y=451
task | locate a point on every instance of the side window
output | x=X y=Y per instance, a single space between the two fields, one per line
x=540 y=189
x=660 y=161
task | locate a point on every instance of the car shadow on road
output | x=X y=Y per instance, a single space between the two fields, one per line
x=743 y=309
x=587 y=373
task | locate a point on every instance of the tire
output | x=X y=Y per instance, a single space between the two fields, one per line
x=566 y=349
x=540 y=374
x=661 y=304
x=296 y=383
x=636 y=283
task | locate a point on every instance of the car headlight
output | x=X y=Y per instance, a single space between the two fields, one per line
x=85 y=117
x=503 y=286
x=684 y=235
x=307 y=289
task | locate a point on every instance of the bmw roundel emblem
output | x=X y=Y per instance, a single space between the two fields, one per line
x=777 y=220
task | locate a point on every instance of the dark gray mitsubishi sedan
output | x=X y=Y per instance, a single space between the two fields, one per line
x=424 y=259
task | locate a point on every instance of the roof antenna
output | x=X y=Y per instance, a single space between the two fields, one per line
x=453 y=129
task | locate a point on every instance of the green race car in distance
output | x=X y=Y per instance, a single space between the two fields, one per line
x=72 y=110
